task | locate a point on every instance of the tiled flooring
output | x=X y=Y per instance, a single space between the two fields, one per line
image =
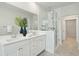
x=68 y=48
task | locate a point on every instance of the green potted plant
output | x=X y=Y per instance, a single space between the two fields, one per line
x=22 y=23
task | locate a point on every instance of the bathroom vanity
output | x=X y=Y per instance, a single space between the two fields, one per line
x=31 y=45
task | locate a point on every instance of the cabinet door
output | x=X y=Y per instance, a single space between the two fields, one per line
x=42 y=42
x=17 y=49
x=23 y=50
x=10 y=50
x=37 y=45
x=34 y=46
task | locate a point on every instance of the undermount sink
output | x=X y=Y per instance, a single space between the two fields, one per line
x=18 y=37
x=29 y=35
x=32 y=34
x=11 y=39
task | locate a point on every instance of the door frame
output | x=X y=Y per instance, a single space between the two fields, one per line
x=63 y=31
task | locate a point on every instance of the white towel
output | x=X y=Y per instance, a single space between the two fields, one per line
x=9 y=28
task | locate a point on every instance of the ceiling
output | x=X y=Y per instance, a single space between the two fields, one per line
x=49 y=5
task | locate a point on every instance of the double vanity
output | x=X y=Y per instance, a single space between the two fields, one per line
x=31 y=45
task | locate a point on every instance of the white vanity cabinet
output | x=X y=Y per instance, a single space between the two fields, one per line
x=37 y=45
x=17 y=49
x=23 y=46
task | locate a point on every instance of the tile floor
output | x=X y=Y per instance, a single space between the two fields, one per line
x=68 y=48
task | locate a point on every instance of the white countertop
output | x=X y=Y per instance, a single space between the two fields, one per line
x=7 y=39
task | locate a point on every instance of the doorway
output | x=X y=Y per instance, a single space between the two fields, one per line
x=70 y=29
x=70 y=34
x=69 y=44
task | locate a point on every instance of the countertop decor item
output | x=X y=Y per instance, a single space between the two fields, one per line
x=22 y=23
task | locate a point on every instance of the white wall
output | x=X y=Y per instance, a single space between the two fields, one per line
x=65 y=11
